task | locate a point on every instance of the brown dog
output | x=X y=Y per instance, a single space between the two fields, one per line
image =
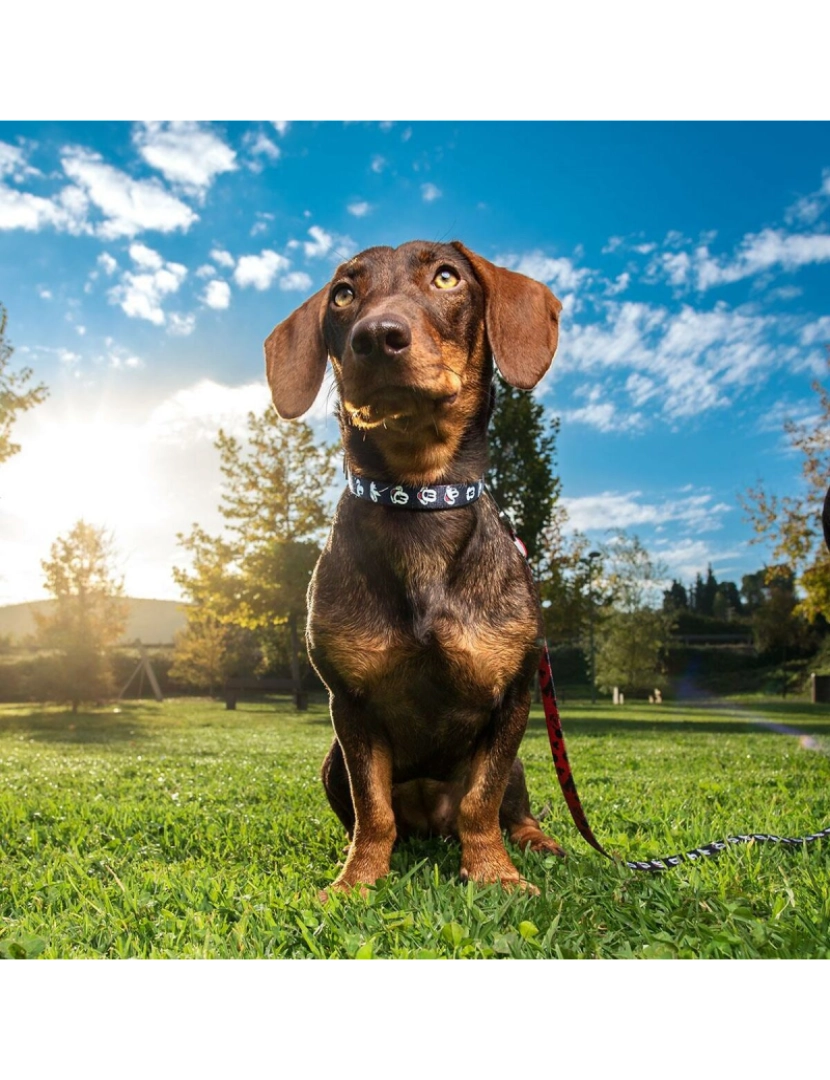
x=424 y=626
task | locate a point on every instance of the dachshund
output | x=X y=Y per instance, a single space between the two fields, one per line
x=423 y=620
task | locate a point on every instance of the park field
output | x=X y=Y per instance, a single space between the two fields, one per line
x=182 y=830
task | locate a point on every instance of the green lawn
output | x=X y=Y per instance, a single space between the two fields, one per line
x=183 y=830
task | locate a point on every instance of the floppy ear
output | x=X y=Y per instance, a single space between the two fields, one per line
x=295 y=357
x=522 y=320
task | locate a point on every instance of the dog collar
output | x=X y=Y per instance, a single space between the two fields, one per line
x=428 y=497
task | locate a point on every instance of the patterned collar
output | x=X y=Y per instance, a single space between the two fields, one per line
x=429 y=497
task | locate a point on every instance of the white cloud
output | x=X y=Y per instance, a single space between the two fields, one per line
x=761 y=251
x=128 y=206
x=615 y=510
x=145 y=257
x=188 y=155
x=281 y=126
x=224 y=258
x=259 y=270
x=378 y=163
x=22 y=210
x=260 y=145
x=44 y=293
x=206 y=271
x=217 y=295
x=297 y=280
x=108 y=263
x=320 y=243
x=13 y=163
x=429 y=192
x=140 y=295
x=619 y=285
x=196 y=413
x=181 y=325
x=818 y=331
x=560 y=273
x=694 y=360
x=359 y=209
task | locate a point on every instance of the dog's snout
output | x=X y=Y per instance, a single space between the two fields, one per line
x=381 y=335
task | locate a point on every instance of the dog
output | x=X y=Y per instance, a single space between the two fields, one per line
x=423 y=622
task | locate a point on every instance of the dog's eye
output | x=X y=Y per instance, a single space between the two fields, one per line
x=342 y=296
x=446 y=278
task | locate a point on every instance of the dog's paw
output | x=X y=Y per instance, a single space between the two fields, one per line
x=507 y=880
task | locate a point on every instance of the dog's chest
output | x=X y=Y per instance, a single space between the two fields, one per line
x=431 y=639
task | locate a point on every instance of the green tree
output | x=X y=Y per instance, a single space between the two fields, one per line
x=792 y=523
x=634 y=633
x=255 y=577
x=16 y=395
x=88 y=616
x=522 y=474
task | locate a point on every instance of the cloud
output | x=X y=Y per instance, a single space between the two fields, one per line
x=281 y=126
x=359 y=209
x=611 y=509
x=128 y=206
x=107 y=263
x=224 y=258
x=693 y=360
x=13 y=163
x=66 y=212
x=259 y=270
x=429 y=192
x=560 y=273
x=217 y=295
x=320 y=243
x=761 y=251
x=188 y=155
x=260 y=146
x=297 y=280
x=379 y=163
x=140 y=295
x=196 y=413
x=181 y=325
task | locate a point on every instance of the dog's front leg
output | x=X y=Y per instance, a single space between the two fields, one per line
x=369 y=765
x=483 y=854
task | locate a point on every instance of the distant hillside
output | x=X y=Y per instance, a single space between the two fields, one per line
x=153 y=621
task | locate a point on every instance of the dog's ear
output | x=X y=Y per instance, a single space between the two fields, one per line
x=295 y=357
x=522 y=320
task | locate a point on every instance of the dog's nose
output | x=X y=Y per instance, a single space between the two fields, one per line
x=383 y=335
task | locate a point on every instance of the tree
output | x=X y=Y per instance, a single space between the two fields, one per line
x=255 y=577
x=16 y=396
x=792 y=523
x=89 y=613
x=522 y=474
x=634 y=634
x=675 y=598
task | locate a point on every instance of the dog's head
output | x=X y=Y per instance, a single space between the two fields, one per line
x=411 y=332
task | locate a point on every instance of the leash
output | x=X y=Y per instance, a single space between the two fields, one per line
x=568 y=785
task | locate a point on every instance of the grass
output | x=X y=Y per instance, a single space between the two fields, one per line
x=183 y=830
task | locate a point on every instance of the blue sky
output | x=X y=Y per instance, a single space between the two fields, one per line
x=142 y=265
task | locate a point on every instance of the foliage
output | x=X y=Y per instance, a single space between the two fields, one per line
x=522 y=474
x=89 y=615
x=181 y=830
x=792 y=523
x=634 y=635
x=248 y=587
x=16 y=395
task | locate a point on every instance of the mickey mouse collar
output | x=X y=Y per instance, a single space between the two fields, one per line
x=428 y=497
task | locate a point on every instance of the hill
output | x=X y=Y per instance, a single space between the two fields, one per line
x=152 y=621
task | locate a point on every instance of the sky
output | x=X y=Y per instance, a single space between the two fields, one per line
x=142 y=265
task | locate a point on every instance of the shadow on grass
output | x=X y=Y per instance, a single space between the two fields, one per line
x=742 y=720
x=64 y=726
